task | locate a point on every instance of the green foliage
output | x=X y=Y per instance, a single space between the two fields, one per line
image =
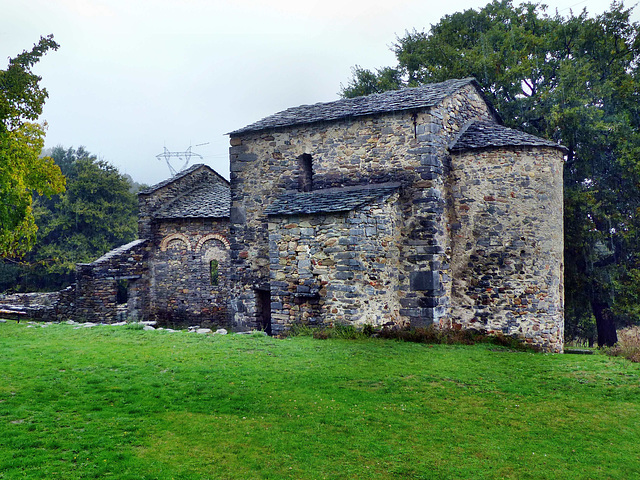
x=97 y=213
x=443 y=336
x=365 y=82
x=430 y=335
x=134 y=326
x=22 y=171
x=571 y=79
x=213 y=272
x=339 y=330
x=129 y=404
x=21 y=97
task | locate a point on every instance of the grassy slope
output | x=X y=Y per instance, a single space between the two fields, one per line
x=110 y=401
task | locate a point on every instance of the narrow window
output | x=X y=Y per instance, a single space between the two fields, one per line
x=305 y=168
x=213 y=272
x=122 y=291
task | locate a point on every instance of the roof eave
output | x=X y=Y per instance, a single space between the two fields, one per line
x=562 y=148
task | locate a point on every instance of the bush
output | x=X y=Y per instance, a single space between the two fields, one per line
x=430 y=335
x=339 y=330
x=628 y=345
x=300 y=330
x=321 y=334
x=453 y=336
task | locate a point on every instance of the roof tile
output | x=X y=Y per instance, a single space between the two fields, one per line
x=487 y=134
x=210 y=199
x=169 y=180
x=396 y=100
x=329 y=199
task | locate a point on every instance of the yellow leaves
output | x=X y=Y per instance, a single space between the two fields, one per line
x=22 y=173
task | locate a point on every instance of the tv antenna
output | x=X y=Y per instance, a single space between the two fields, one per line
x=181 y=156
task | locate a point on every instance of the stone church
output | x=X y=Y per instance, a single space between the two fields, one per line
x=410 y=207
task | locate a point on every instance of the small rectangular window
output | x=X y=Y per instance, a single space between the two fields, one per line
x=122 y=291
x=305 y=173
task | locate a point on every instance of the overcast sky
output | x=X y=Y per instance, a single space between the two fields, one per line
x=134 y=76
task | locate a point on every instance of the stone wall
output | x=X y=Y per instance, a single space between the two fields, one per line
x=152 y=200
x=181 y=292
x=97 y=284
x=409 y=147
x=336 y=267
x=506 y=222
x=34 y=306
x=66 y=305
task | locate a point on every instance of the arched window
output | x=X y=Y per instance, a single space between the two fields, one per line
x=213 y=272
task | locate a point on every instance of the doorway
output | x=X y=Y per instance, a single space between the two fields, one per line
x=263 y=301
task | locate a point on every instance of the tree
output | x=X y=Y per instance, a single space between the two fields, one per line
x=96 y=213
x=22 y=170
x=365 y=82
x=572 y=79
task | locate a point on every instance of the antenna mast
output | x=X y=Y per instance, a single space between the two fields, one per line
x=182 y=156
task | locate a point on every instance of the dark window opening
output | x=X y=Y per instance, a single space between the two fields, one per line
x=305 y=177
x=264 y=310
x=122 y=291
x=213 y=272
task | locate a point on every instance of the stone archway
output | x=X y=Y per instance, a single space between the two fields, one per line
x=164 y=244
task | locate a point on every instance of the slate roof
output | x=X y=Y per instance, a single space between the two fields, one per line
x=329 y=199
x=117 y=251
x=397 y=100
x=489 y=134
x=209 y=199
x=177 y=176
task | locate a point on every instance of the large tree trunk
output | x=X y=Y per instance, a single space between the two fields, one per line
x=607 y=335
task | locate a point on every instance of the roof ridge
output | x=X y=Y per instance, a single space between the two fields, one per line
x=487 y=134
x=408 y=98
x=177 y=176
x=203 y=200
x=117 y=251
x=347 y=188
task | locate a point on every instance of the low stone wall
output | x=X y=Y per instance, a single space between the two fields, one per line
x=30 y=299
x=96 y=297
x=43 y=306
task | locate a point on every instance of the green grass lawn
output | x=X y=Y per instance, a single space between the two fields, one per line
x=129 y=404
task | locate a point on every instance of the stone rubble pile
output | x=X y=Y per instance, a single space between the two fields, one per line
x=147 y=326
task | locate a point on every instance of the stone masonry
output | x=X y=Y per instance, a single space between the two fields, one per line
x=415 y=207
x=176 y=274
x=321 y=264
x=186 y=220
x=506 y=239
x=96 y=289
x=431 y=256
